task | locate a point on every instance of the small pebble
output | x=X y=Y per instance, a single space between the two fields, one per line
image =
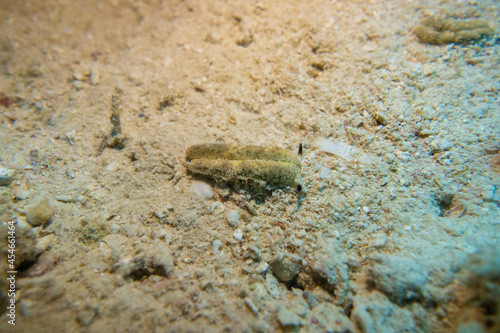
x=251 y=306
x=86 y=317
x=217 y=208
x=40 y=213
x=324 y=172
x=216 y=246
x=6 y=176
x=202 y=190
x=286 y=266
x=378 y=240
x=95 y=75
x=287 y=318
x=233 y=218
x=262 y=267
x=67 y=198
x=71 y=137
x=136 y=78
x=23 y=195
x=238 y=235
x=78 y=85
x=44 y=263
x=311 y=300
x=253 y=252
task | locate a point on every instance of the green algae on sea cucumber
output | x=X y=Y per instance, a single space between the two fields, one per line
x=219 y=161
x=439 y=31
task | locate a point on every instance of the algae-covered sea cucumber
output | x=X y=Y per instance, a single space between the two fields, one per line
x=439 y=31
x=256 y=164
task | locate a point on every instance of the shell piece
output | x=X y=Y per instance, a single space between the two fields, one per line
x=254 y=164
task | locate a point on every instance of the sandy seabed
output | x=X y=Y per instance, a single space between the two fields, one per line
x=396 y=228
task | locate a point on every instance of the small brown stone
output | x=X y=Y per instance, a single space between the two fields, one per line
x=40 y=213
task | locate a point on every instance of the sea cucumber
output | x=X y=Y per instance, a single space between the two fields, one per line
x=439 y=31
x=253 y=164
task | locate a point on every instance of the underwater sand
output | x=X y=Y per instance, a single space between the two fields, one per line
x=396 y=228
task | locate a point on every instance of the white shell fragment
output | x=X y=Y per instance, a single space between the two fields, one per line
x=338 y=148
x=202 y=190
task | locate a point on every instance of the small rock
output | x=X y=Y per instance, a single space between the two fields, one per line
x=6 y=176
x=86 y=317
x=402 y=279
x=381 y=118
x=251 y=306
x=324 y=172
x=329 y=270
x=78 y=85
x=217 y=208
x=67 y=198
x=71 y=137
x=289 y=319
x=208 y=286
x=273 y=286
x=70 y=174
x=40 y=213
x=427 y=69
x=251 y=208
x=310 y=299
x=161 y=262
x=440 y=145
x=216 y=246
x=262 y=267
x=95 y=75
x=471 y=327
x=159 y=214
x=363 y=319
x=233 y=218
x=253 y=252
x=23 y=195
x=45 y=242
x=333 y=319
x=238 y=235
x=136 y=78
x=202 y=190
x=44 y=264
x=378 y=240
x=286 y=266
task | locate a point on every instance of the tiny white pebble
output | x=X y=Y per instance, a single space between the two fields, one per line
x=202 y=190
x=216 y=244
x=233 y=218
x=6 y=176
x=378 y=240
x=238 y=235
x=297 y=242
x=366 y=209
